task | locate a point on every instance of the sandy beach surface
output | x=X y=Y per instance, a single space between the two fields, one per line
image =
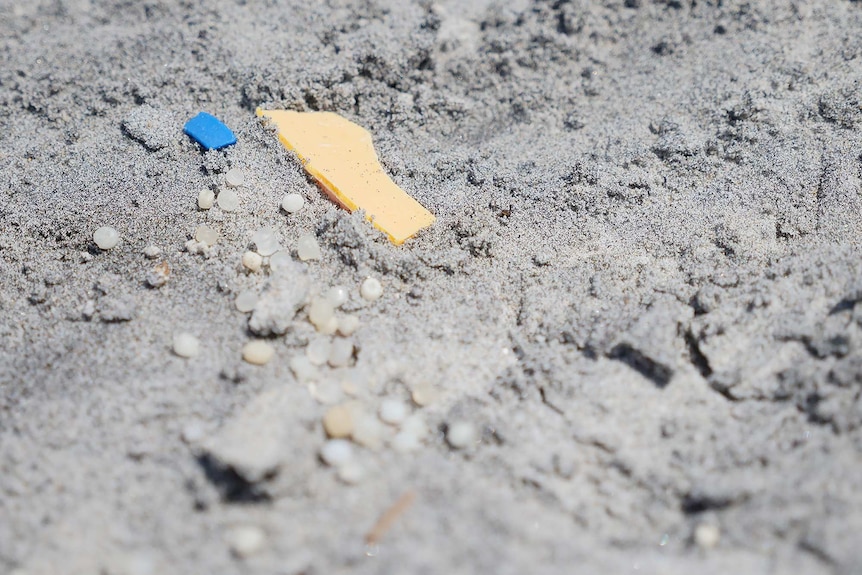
x=629 y=343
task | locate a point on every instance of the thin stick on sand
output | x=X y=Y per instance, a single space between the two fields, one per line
x=389 y=517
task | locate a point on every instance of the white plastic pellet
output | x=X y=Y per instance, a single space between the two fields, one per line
x=404 y=442
x=257 y=352
x=206 y=199
x=318 y=350
x=246 y=540
x=707 y=535
x=392 y=411
x=340 y=353
x=266 y=242
x=329 y=327
x=320 y=312
x=106 y=237
x=336 y=452
x=280 y=261
x=186 y=345
x=347 y=325
x=461 y=434
x=151 y=252
x=227 y=200
x=423 y=394
x=252 y=261
x=307 y=248
x=371 y=290
x=292 y=203
x=234 y=177
x=303 y=369
x=337 y=296
x=246 y=300
x=351 y=473
x=415 y=425
x=206 y=235
x=368 y=431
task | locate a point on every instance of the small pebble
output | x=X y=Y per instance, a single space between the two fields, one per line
x=320 y=313
x=252 y=261
x=159 y=275
x=318 y=350
x=423 y=394
x=206 y=199
x=280 y=261
x=347 y=325
x=340 y=353
x=106 y=238
x=392 y=411
x=337 y=296
x=371 y=290
x=338 y=422
x=307 y=248
x=246 y=540
x=292 y=203
x=257 y=352
x=227 y=200
x=206 y=235
x=461 y=434
x=151 y=252
x=234 y=177
x=186 y=345
x=265 y=241
x=351 y=473
x=336 y=452
x=303 y=369
x=246 y=300
x=707 y=536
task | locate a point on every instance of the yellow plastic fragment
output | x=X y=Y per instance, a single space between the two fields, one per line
x=340 y=156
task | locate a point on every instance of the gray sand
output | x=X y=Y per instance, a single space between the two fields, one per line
x=641 y=287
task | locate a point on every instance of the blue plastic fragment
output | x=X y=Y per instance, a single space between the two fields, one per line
x=209 y=132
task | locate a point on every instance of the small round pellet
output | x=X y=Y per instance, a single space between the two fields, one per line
x=266 y=242
x=257 y=352
x=252 y=261
x=206 y=199
x=246 y=540
x=337 y=296
x=280 y=261
x=338 y=422
x=106 y=237
x=303 y=369
x=307 y=248
x=461 y=434
x=423 y=394
x=371 y=289
x=392 y=412
x=348 y=325
x=227 y=200
x=292 y=203
x=320 y=313
x=318 y=350
x=206 y=235
x=336 y=452
x=186 y=345
x=234 y=177
x=151 y=252
x=340 y=353
x=707 y=536
x=246 y=300
x=351 y=473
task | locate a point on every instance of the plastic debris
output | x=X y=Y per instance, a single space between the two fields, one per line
x=340 y=156
x=209 y=132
